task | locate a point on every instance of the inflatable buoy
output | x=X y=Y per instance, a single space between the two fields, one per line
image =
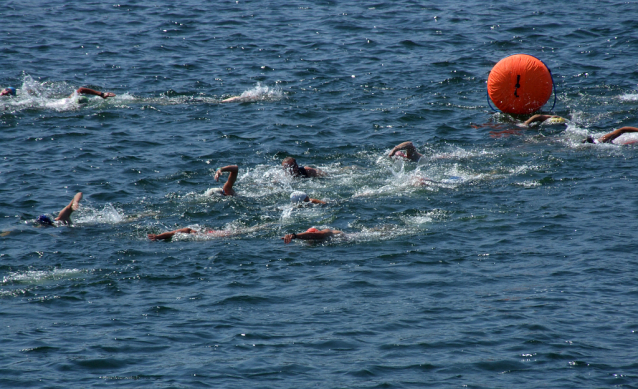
x=519 y=84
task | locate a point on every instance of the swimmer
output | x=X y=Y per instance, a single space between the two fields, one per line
x=410 y=151
x=207 y=233
x=549 y=119
x=609 y=137
x=65 y=214
x=298 y=197
x=11 y=91
x=312 y=234
x=87 y=91
x=227 y=189
x=169 y=235
x=290 y=165
x=8 y=91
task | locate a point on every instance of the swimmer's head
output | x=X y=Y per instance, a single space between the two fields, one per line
x=590 y=139
x=8 y=91
x=312 y=229
x=44 y=220
x=290 y=164
x=298 y=197
x=556 y=120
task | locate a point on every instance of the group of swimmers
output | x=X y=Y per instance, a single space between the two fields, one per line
x=405 y=150
x=554 y=119
x=289 y=165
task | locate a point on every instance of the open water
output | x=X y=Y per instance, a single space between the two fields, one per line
x=515 y=266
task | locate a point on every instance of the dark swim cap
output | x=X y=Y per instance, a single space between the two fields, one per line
x=44 y=220
x=11 y=90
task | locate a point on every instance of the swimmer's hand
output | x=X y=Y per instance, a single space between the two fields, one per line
x=288 y=238
x=106 y=95
x=218 y=174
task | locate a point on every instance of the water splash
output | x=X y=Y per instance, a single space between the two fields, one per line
x=629 y=97
x=107 y=215
x=258 y=93
x=49 y=95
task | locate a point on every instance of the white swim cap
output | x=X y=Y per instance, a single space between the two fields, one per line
x=297 y=196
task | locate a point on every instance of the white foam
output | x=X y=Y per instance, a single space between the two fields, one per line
x=629 y=97
x=35 y=277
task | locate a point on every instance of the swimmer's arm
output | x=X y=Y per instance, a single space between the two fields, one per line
x=232 y=177
x=401 y=146
x=317 y=201
x=320 y=235
x=539 y=118
x=231 y=99
x=169 y=235
x=87 y=91
x=411 y=154
x=607 y=138
x=230 y=169
x=65 y=214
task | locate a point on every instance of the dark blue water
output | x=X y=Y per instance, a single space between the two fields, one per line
x=514 y=267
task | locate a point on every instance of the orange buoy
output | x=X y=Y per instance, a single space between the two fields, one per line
x=519 y=84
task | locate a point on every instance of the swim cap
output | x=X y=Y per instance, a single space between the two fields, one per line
x=12 y=90
x=557 y=120
x=298 y=197
x=312 y=229
x=44 y=220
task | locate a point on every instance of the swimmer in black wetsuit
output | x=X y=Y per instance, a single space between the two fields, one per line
x=609 y=137
x=290 y=165
x=227 y=189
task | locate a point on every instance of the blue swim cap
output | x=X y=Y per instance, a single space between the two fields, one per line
x=11 y=90
x=44 y=220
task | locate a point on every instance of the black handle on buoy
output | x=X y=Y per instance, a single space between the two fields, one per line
x=518 y=84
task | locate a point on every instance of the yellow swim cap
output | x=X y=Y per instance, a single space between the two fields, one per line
x=556 y=120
